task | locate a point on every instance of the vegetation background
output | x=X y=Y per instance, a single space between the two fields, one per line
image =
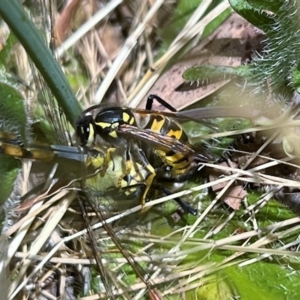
x=244 y=242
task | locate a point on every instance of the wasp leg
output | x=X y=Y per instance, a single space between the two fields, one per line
x=107 y=160
x=100 y=160
x=139 y=171
x=130 y=174
x=185 y=206
x=128 y=178
x=149 y=181
x=161 y=101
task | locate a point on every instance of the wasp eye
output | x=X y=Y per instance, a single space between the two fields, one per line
x=84 y=130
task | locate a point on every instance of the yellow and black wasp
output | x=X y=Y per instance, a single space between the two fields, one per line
x=153 y=144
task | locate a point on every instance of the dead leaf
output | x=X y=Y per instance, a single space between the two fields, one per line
x=230 y=45
x=235 y=196
x=75 y=13
x=235 y=193
x=112 y=39
x=216 y=173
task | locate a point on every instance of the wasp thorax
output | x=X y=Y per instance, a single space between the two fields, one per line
x=109 y=120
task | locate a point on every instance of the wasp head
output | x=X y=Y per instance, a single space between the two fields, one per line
x=85 y=129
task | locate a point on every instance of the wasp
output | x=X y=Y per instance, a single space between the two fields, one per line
x=154 y=144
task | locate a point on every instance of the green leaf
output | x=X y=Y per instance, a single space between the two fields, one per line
x=182 y=14
x=9 y=168
x=295 y=78
x=256 y=17
x=17 y=19
x=208 y=71
x=217 y=288
x=265 y=280
x=269 y=5
x=278 y=63
x=5 y=52
x=215 y=23
x=12 y=111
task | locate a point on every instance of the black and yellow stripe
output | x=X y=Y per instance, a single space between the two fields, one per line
x=168 y=127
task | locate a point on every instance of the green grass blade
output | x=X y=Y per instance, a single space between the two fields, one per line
x=17 y=19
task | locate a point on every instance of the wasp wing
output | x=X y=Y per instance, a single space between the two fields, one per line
x=163 y=142
x=198 y=114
